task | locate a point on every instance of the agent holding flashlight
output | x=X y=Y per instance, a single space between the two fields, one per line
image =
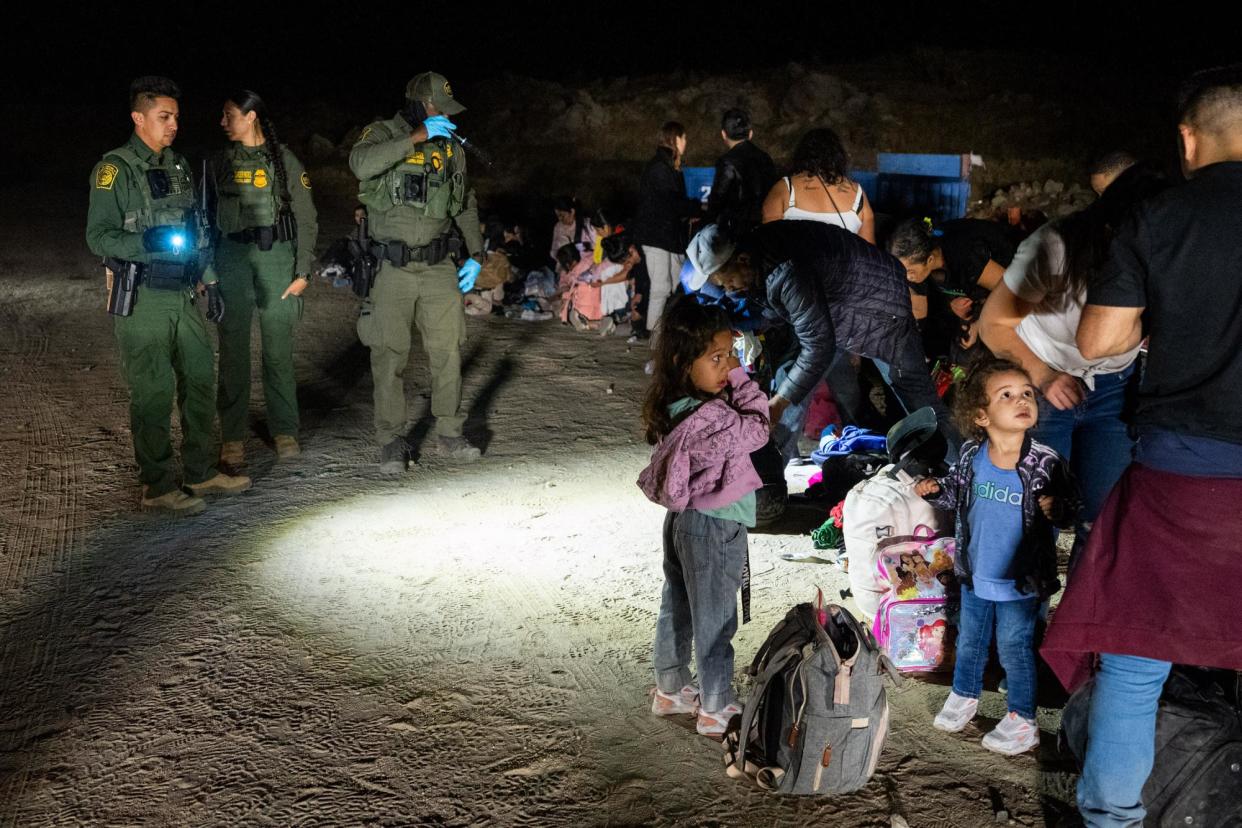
x=141 y=195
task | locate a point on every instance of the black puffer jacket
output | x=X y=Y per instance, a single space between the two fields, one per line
x=744 y=175
x=836 y=291
x=663 y=207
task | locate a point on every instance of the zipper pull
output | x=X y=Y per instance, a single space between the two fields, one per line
x=793 y=736
x=827 y=756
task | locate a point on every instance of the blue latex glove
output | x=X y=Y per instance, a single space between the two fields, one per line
x=167 y=238
x=439 y=126
x=468 y=275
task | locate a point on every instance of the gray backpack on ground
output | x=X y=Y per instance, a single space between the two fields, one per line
x=817 y=715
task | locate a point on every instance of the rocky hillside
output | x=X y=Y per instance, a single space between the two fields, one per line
x=1034 y=129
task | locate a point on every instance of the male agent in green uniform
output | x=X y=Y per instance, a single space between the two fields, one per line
x=413 y=181
x=141 y=213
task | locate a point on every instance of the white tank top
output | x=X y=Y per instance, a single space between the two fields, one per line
x=850 y=220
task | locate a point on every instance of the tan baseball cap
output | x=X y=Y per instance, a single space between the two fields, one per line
x=433 y=87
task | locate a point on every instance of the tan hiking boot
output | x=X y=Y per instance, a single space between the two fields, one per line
x=287 y=447
x=176 y=501
x=221 y=484
x=233 y=454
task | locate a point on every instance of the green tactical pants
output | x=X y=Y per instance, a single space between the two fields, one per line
x=426 y=296
x=165 y=351
x=250 y=278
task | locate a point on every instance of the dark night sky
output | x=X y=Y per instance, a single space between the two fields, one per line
x=349 y=49
x=357 y=56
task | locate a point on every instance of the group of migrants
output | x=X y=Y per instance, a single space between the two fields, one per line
x=1103 y=376
x=1104 y=356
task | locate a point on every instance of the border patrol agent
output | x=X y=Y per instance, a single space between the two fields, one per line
x=268 y=228
x=412 y=174
x=141 y=221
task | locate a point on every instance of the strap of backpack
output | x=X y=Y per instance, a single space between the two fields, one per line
x=757 y=693
x=793 y=626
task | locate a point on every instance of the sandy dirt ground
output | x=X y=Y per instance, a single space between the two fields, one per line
x=465 y=645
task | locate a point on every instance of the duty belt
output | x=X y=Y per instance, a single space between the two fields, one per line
x=157 y=275
x=264 y=237
x=401 y=254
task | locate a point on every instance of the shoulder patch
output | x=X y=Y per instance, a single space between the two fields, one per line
x=365 y=133
x=305 y=179
x=105 y=176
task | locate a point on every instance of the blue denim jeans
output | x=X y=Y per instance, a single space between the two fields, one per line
x=1092 y=437
x=1014 y=622
x=703 y=561
x=908 y=376
x=1121 y=740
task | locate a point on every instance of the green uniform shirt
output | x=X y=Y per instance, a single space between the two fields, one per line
x=386 y=144
x=114 y=193
x=248 y=194
x=741 y=510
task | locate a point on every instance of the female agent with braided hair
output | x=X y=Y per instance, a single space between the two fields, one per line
x=267 y=225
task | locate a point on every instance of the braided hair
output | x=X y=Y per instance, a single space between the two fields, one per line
x=248 y=101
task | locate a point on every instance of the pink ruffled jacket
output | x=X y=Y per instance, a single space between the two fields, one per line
x=704 y=463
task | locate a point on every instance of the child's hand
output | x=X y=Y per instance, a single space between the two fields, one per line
x=1050 y=506
x=927 y=486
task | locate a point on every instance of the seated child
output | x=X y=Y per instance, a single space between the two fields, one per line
x=579 y=295
x=1009 y=492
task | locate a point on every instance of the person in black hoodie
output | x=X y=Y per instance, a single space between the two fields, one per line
x=662 y=220
x=744 y=174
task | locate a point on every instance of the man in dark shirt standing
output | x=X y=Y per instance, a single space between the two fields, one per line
x=744 y=174
x=1155 y=584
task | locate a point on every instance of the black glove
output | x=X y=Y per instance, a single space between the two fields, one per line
x=215 y=303
x=167 y=238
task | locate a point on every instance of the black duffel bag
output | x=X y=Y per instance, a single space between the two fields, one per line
x=1196 y=778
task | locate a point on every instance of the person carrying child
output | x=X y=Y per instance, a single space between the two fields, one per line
x=1009 y=492
x=704 y=416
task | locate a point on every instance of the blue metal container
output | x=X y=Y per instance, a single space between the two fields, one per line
x=698 y=181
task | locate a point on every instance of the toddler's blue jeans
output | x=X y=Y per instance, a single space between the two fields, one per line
x=1015 y=644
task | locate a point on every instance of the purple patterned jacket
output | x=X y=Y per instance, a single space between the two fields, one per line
x=704 y=462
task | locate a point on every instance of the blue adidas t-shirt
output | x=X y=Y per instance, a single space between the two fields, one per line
x=995 y=520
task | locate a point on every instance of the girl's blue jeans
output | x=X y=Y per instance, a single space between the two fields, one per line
x=1014 y=622
x=703 y=561
x=1121 y=740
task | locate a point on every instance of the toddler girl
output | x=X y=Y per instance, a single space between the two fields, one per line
x=1006 y=490
x=705 y=416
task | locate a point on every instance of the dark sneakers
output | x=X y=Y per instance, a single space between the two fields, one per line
x=393 y=456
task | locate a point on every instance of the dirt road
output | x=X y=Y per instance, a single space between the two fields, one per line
x=462 y=646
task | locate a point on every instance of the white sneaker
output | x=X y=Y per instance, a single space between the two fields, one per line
x=715 y=724
x=956 y=713
x=1013 y=735
x=685 y=700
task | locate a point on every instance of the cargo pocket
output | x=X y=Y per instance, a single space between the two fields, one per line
x=366 y=325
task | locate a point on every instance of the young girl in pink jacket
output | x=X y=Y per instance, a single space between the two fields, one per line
x=704 y=416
